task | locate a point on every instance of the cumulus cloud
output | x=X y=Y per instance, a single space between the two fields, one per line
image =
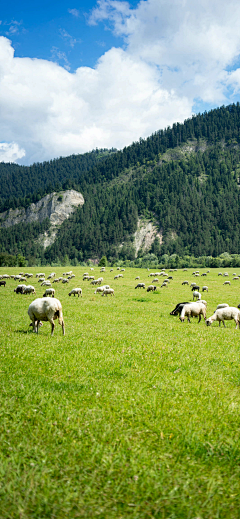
x=74 y=12
x=174 y=53
x=10 y=152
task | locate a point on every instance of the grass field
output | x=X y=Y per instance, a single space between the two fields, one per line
x=131 y=414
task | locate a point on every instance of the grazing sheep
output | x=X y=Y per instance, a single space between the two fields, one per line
x=151 y=288
x=140 y=285
x=197 y=295
x=56 y=280
x=46 y=309
x=195 y=287
x=65 y=281
x=178 y=308
x=94 y=282
x=108 y=291
x=122 y=270
x=19 y=289
x=225 y=274
x=2 y=283
x=111 y=270
x=164 y=285
x=155 y=280
x=204 y=274
x=75 y=291
x=29 y=290
x=120 y=275
x=220 y=274
x=208 y=271
x=115 y=277
x=226 y=283
x=49 y=292
x=225 y=314
x=193 y=310
x=193 y=284
x=235 y=278
x=152 y=274
x=185 y=270
x=201 y=301
x=41 y=280
x=222 y=305
x=85 y=274
x=138 y=277
x=118 y=268
x=46 y=284
x=185 y=283
x=205 y=288
x=101 y=289
x=69 y=273
x=91 y=268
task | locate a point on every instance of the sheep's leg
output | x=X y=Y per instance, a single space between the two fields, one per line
x=224 y=324
x=63 y=328
x=53 y=326
x=236 y=321
x=38 y=322
x=200 y=317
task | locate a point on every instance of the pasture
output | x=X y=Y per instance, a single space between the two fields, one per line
x=132 y=414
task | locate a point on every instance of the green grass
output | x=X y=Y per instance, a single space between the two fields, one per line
x=131 y=414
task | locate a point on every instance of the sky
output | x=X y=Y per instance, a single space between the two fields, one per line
x=80 y=75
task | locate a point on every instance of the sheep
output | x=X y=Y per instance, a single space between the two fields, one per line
x=22 y=278
x=225 y=274
x=185 y=270
x=193 y=310
x=101 y=289
x=65 y=281
x=195 y=287
x=204 y=274
x=118 y=268
x=115 y=277
x=2 y=283
x=235 y=278
x=140 y=285
x=90 y=277
x=100 y=280
x=108 y=291
x=56 y=280
x=151 y=274
x=205 y=288
x=164 y=285
x=226 y=283
x=122 y=270
x=169 y=277
x=75 y=291
x=29 y=290
x=197 y=295
x=222 y=305
x=94 y=282
x=138 y=277
x=225 y=314
x=19 y=289
x=156 y=280
x=201 y=301
x=46 y=284
x=120 y=275
x=49 y=292
x=111 y=270
x=91 y=268
x=46 y=309
x=185 y=283
x=178 y=308
x=151 y=288
x=220 y=274
x=193 y=284
x=69 y=273
x=41 y=280
x=85 y=274
x=40 y=275
x=208 y=271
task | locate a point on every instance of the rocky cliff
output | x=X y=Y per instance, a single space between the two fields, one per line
x=56 y=206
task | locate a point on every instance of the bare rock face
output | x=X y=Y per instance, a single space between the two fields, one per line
x=56 y=206
x=145 y=235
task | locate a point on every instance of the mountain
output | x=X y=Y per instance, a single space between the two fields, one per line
x=183 y=181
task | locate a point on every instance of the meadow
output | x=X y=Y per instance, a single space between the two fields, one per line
x=132 y=414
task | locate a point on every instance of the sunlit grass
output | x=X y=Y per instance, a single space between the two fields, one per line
x=131 y=414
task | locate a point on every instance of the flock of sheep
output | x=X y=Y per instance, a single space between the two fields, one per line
x=48 y=308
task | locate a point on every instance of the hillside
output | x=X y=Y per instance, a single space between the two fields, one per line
x=185 y=180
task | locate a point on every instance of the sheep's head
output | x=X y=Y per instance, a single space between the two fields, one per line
x=209 y=321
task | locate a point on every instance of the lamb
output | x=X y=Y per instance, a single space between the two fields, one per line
x=178 y=308
x=205 y=288
x=49 y=292
x=46 y=309
x=108 y=291
x=193 y=310
x=75 y=291
x=185 y=283
x=226 y=283
x=151 y=288
x=225 y=314
x=197 y=295
x=29 y=290
x=140 y=285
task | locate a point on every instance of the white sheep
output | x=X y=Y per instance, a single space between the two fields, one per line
x=186 y=283
x=29 y=289
x=151 y=288
x=196 y=295
x=205 y=288
x=101 y=289
x=65 y=281
x=49 y=292
x=193 y=310
x=226 y=283
x=222 y=305
x=46 y=309
x=220 y=274
x=225 y=314
x=46 y=284
x=108 y=291
x=75 y=291
x=138 y=277
x=225 y=274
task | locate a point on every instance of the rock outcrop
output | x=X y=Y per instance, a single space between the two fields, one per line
x=145 y=235
x=56 y=206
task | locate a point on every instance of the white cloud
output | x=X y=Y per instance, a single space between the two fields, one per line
x=74 y=12
x=174 y=53
x=10 y=152
x=68 y=38
x=50 y=112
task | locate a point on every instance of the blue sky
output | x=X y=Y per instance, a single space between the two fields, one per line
x=76 y=76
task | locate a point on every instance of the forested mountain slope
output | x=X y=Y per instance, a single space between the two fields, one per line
x=185 y=177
